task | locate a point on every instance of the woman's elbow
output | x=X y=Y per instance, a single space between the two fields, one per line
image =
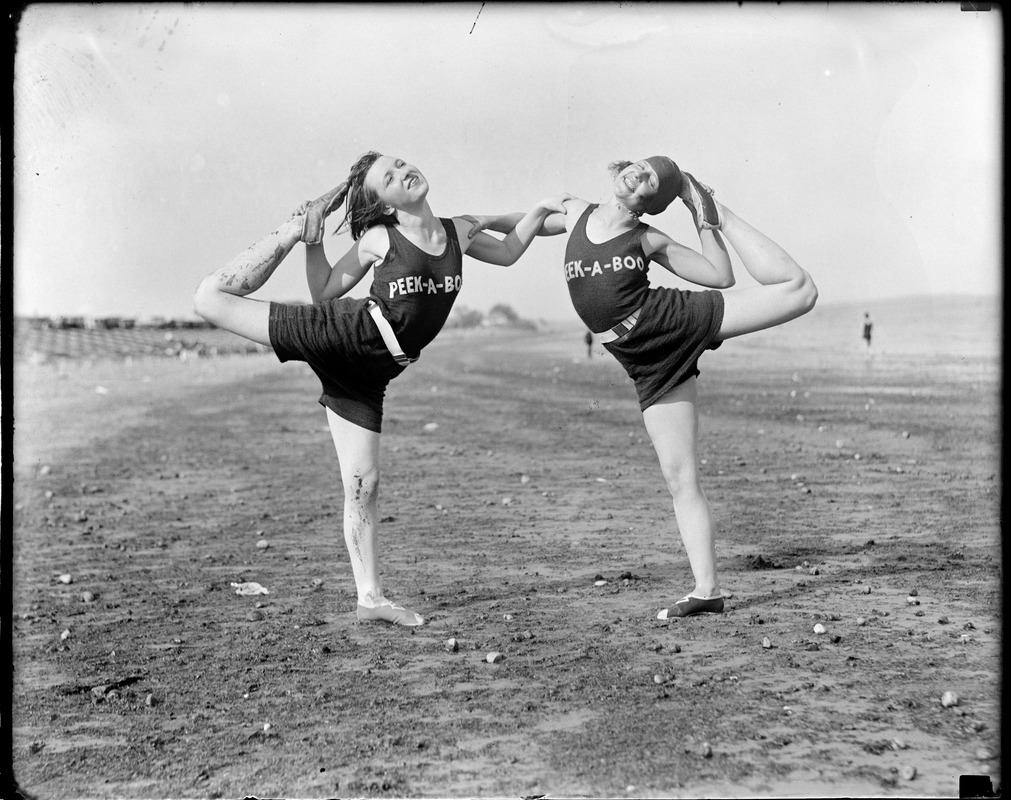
x=729 y=282
x=807 y=292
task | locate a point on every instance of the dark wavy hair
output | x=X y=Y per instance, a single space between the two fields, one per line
x=364 y=208
x=615 y=167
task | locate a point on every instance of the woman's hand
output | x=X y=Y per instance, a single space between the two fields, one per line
x=555 y=203
x=478 y=223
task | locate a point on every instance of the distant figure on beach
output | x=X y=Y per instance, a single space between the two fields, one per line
x=588 y=338
x=868 y=326
x=658 y=334
x=357 y=346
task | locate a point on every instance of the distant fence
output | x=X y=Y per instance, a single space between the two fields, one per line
x=62 y=323
x=42 y=339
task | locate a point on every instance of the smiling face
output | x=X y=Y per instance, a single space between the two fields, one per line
x=395 y=182
x=635 y=186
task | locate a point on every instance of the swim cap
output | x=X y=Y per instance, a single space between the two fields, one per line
x=670 y=182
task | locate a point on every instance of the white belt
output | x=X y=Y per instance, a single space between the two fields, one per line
x=620 y=329
x=389 y=338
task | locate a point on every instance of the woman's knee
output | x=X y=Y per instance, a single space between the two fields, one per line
x=362 y=486
x=681 y=475
x=206 y=301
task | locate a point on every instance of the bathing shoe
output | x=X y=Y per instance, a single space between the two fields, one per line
x=389 y=612
x=317 y=212
x=702 y=205
x=688 y=606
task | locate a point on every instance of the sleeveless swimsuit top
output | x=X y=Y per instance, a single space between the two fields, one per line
x=607 y=281
x=415 y=289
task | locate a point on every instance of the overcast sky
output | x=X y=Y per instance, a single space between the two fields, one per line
x=155 y=141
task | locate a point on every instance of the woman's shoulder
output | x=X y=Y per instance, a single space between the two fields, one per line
x=653 y=239
x=375 y=242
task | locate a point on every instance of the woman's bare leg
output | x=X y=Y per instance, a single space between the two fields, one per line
x=221 y=297
x=358 y=456
x=787 y=291
x=672 y=423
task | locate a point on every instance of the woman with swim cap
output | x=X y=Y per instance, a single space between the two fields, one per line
x=658 y=334
x=357 y=346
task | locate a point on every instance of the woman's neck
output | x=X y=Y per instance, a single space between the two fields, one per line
x=615 y=215
x=418 y=218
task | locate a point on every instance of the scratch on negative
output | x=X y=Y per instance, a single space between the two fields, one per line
x=477 y=17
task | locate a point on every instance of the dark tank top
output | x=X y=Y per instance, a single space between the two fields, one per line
x=416 y=290
x=607 y=281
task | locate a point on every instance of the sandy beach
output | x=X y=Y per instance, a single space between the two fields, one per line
x=856 y=495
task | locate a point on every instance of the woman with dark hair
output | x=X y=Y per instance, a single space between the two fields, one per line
x=356 y=346
x=658 y=334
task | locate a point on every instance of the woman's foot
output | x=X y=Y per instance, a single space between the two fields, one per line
x=689 y=605
x=318 y=210
x=387 y=611
x=699 y=199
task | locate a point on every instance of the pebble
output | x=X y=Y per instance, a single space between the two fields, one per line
x=912 y=601
x=659 y=679
x=263 y=544
x=431 y=426
x=494 y=657
x=600 y=583
x=451 y=645
x=819 y=628
x=254 y=616
x=88 y=597
x=524 y=479
x=506 y=501
x=908 y=772
x=706 y=751
x=949 y=699
x=150 y=701
x=766 y=643
x=66 y=578
x=943 y=620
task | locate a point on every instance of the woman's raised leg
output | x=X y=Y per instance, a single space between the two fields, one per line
x=786 y=290
x=672 y=423
x=221 y=296
x=358 y=457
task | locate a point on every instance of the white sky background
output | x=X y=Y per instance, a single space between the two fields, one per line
x=155 y=141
